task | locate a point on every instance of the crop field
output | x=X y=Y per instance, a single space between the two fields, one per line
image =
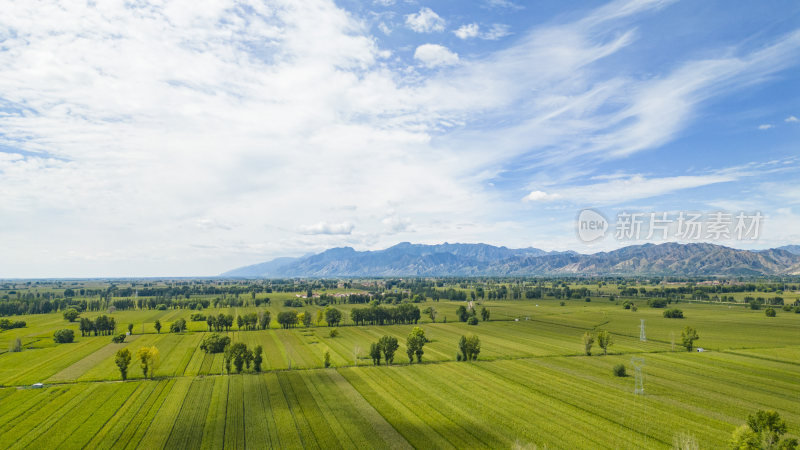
x=532 y=385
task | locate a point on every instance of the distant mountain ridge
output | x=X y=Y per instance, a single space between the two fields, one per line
x=406 y=259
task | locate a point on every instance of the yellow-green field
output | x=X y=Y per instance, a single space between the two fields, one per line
x=532 y=385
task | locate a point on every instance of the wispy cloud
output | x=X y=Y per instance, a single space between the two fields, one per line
x=791 y=119
x=765 y=126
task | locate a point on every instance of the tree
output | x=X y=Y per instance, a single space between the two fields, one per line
x=388 y=346
x=215 y=343
x=158 y=326
x=148 y=360
x=130 y=328
x=123 y=360
x=472 y=320
x=431 y=312
x=688 y=336
x=743 y=438
x=673 y=313
x=179 y=326
x=462 y=313
x=64 y=336
x=769 y=426
x=239 y=355
x=763 y=431
x=470 y=347
x=71 y=314
x=414 y=344
x=287 y=318
x=304 y=318
x=604 y=340
x=320 y=316
x=484 y=314
x=226 y=358
x=770 y=312
x=333 y=316
x=588 y=342
x=462 y=347
x=263 y=319
x=257 y=358
x=327 y=358
x=375 y=353
x=239 y=322
x=619 y=370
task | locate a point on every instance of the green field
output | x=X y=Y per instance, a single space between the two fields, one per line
x=531 y=387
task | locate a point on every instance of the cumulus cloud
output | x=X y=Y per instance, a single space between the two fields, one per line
x=540 y=196
x=425 y=21
x=435 y=55
x=328 y=228
x=467 y=31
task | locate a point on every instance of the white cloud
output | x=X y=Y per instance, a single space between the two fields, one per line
x=467 y=31
x=435 y=55
x=425 y=21
x=384 y=28
x=540 y=196
x=791 y=119
x=328 y=228
x=186 y=139
x=472 y=30
x=765 y=126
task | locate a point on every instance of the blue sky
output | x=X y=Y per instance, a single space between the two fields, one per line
x=186 y=138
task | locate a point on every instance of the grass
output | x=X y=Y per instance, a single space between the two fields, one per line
x=532 y=382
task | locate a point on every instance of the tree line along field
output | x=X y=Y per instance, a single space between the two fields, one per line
x=532 y=385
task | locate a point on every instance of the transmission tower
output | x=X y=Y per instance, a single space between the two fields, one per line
x=642 y=336
x=638 y=364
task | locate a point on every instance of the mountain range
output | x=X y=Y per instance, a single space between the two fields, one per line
x=406 y=259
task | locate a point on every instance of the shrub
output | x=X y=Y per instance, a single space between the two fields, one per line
x=673 y=313
x=619 y=370
x=215 y=343
x=588 y=299
x=472 y=320
x=327 y=359
x=161 y=307
x=63 y=336
x=562 y=303
x=16 y=346
x=334 y=332
x=657 y=303
x=770 y=312
x=197 y=317
x=118 y=339
x=754 y=305
x=6 y=324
